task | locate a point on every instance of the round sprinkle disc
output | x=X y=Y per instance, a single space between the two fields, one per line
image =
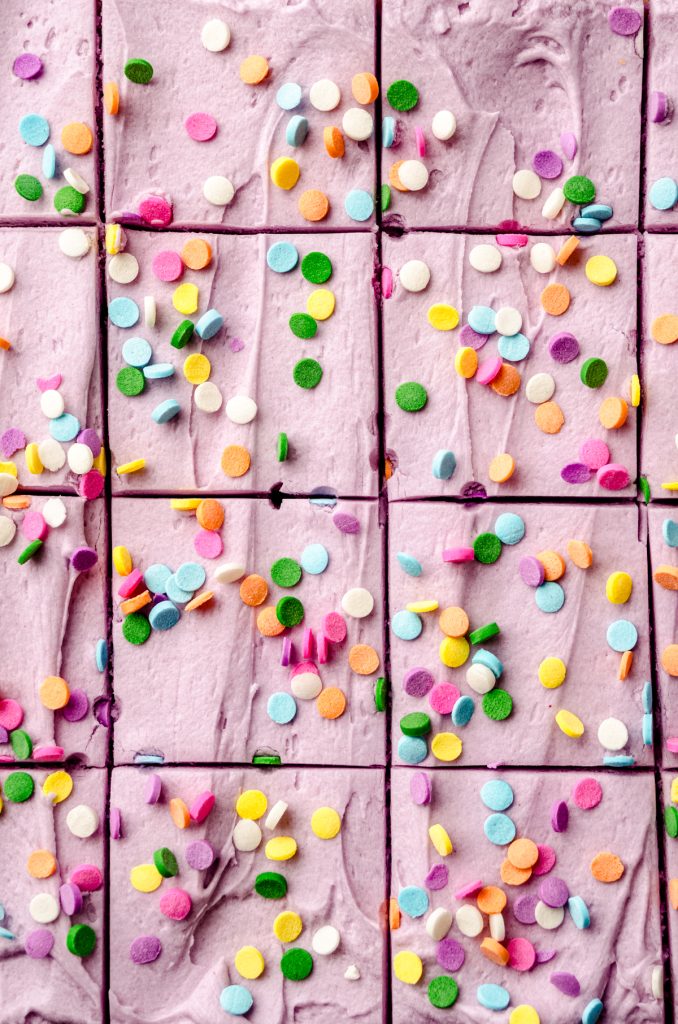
x=411 y=397
x=487 y=548
x=579 y=189
x=402 y=95
x=316 y=267
x=139 y=71
x=443 y=991
x=303 y=326
x=130 y=381
x=307 y=374
x=136 y=628
x=289 y=611
x=497 y=704
x=286 y=572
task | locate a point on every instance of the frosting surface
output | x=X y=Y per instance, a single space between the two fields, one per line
x=665 y=605
x=661 y=138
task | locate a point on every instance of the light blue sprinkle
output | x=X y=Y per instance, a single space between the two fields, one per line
x=281 y=707
x=409 y=564
x=176 y=593
x=123 y=312
x=296 y=131
x=166 y=411
x=323 y=500
x=314 y=559
x=499 y=829
x=462 y=712
x=137 y=352
x=579 y=912
x=601 y=211
x=550 y=597
x=444 y=464
x=413 y=901
x=5 y=933
x=2 y=912
x=282 y=257
x=664 y=194
x=513 y=347
x=510 y=528
x=190 y=576
x=412 y=749
x=670 y=532
x=149 y=759
x=497 y=795
x=208 y=324
x=493 y=997
x=622 y=635
x=482 y=319
x=592 y=1012
x=359 y=204
x=387 y=132
x=288 y=96
x=158 y=371
x=34 y=129
x=101 y=657
x=65 y=427
x=647 y=698
x=489 y=660
x=619 y=760
x=156 y=577
x=406 y=625
x=647 y=730
x=49 y=164
x=236 y=1000
x=164 y=615
x=586 y=225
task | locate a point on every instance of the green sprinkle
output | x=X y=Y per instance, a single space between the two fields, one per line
x=81 y=940
x=442 y=991
x=166 y=862
x=385 y=198
x=19 y=787
x=644 y=485
x=307 y=374
x=497 y=704
x=484 y=633
x=22 y=744
x=68 y=198
x=671 y=821
x=136 y=628
x=487 y=548
x=296 y=964
x=183 y=334
x=411 y=397
x=286 y=572
x=28 y=187
x=267 y=759
x=130 y=381
x=579 y=189
x=316 y=267
x=417 y=723
x=302 y=325
x=139 y=71
x=402 y=95
x=271 y=885
x=380 y=693
x=28 y=552
x=289 y=611
x=593 y=372
x=283 y=447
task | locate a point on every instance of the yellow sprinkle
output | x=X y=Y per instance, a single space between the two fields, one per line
x=570 y=724
x=287 y=926
x=122 y=560
x=441 y=840
x=131 y=467
x=251 y=804
x=58 y=786
x=285 y=172
x=325 y=823
x=524 y=1014
x=601 y=270
x=635 y=390
x=618 y=587
x=674 y=791
x=197 y=368
x=454 y=651
x=320 y=304
x=249 y=963
x=185 y=504
x=672 y=485
x=185 y=299
x=33 y=462
x=281 y=848
x=552 y=672
x=442 y=316
x=145 y=877
x=8 y=467
x=1 y=805
x=407 y=967
x=445 y=746
x=100 y=461
x=422 y=606
x=115 y=239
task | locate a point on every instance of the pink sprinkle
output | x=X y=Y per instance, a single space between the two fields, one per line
x=512 y=241
x=175 y=904
x=304 y=667
x=236 y=345
x=568 y=144
x=130 y=583
x=11 y=714
x=624 y=21
x=156 y=210
x=322 y=649
x=34 y=526
x=420 y=788
x=49 y=383
x=48 y=753
x=345 y=522
x=386 y=282
x=489 y=370
x=116 y=823
x=613 y=477
x=286 y=653
x=594 y=453
x=153 y=789
x=546 y=860
x=443 y=697
x=458 y=554
x=208 y=543
x=522 y=954
x=201 y=127
x=468 y=890
x=672 y=744
x=201 y=806
x=90 y=485
x=420 y=141
x=87 y=877
x=334 y=627
x=587 y=794
x=307 y=647
x=167 y=265
x=657 y=107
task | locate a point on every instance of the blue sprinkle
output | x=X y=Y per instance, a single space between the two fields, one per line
x=670 y=532
x=664 y=194
x=586 y=225
x=158 y=371
x=499 y=829
x=166 y=411
x=49 y=161
x=622 y=635
x=482 y=319
x=123 y=312
x=236 y=1000
x=601 y=211
x=359 y=205
x=493 y=997
x=497 y=795
x=5 y=933
x=156 y=577
x=647 y=698
x=282 y=257
x=208 y=324
x=462 y=712
x=409 y=564
x=550 y=597
x=164 y=615
x=288 y=96
x=314 y=559
x=2 y=912
x=281 y=707
x=296 y=131
x=579 y=912
x=406 y=625
x=513 y=347
x=510 y=528
x=387 y=132
x=592 y=1012
x=137 y=352
x=34 y=129
x=176 y=593
x=101 y=658
x=149 y=759
x=489 y=660
x=647 y=730
x=190 y=576
x=413 y=901
x=412 y=749
x=323 y=500
x=64 y=427
x=619 y=760
x=444 y=464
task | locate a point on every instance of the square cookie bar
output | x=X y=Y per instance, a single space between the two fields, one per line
x=510 y=370
x=47 y=99
x=274 y=880
x=256 y=371
x=500 y=615
x=663 y=528
x=255 y=629
x=524 y=891
x=512 y=114
x=253 y=116
x=661 y=138
x=52 y=923
x=51 y=412
x=53 y=647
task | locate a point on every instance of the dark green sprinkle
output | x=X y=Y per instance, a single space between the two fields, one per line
x=497 y=704
x=385 y=198
x=28 y=187
x=644 y=485
x=402 y=95
x=593 y=372
x=289 y=611
x=443 y=991
x=487 y=548
x=579 y=189
x=28 y=552
x=671 y=821
x=286 y=572
x=81 y=940
x=166 y=862
x=183 y=334
x=19 y=786
x=296 y=964
x=283 y=447
x=136 y=628
x=307 y=374
x=302 y=325
x=271 y=885
x=267 y=759
x=417 y=723
x=316 y=267
x=484 y=633
x=68 y=198
x=380 y=692
x=22 y=745
x=139 y=71
x=130 y=381
x=411 y=397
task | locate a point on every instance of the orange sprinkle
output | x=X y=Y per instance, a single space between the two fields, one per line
x=4 y=344
x=235 y=460
x=502 y=468
x=673 y=892
x=313 y=204
x=466 y=362
x=388 y=469
x=196 y=254
x=613 y=412
x=511 y=875
x=334 y=141
x=393 y=914
x=580 y=553
x=554 y=565
x=364 y=87
x=607 y=867
x=41 y=864
x=253 y=590
x=625 y=663
x=394 y=177
x=523 y=853
x=454 y=621
x=664 y=329
x=179 y=812
x=76 y=138
x=567 y=249
x=667 y=577
x=363 y=659
x=133 y=604
x=331 y=702
x=267 y=622
x=210 y=514
x=507 y=381
x=491 y=899
x=17 y=501
x=254 y=70
x=670 y=659
x=54 y=693
x=199 y=600
x=111 y=98
x=495 y=952
x=555 y=299
x=549 y=417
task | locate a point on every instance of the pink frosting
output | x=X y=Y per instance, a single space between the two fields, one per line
x=662 y=139
x=666 y=632
x=659 y=454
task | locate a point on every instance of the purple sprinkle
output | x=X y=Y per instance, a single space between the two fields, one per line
x=473 y=489
x=4 y=735
x=559 y=816
x=13 y=440
x=83 y=559
x=553 y=891
x=39 y=942
x=27 y=66
x=624 y=21
x=547 y=164
x=657 y=107
x=199 y=855
x=236 y=345
x=153 y=789
x=102 y=711
x=116 y=823
x=523 y=909
x=70 y=898
x=449 y=954
x=437 y=877
x=418 y=682
x=563 y=347
x=145 y=949
x=287 y=651
x=91 y=439
x=575 y=473
x=531 y=571
x=565 y=983
x=346 y=522
x=471 y=339
x=568 y=142
x=545 y=955
x=420 y=788
x=77 y=707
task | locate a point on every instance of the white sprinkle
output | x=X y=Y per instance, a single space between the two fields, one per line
x=52 y=454
x=497 y=927
x=241 y=409
x=508 y=321
x=80 y=458
x=74 y=242
x=357 y=124
x=469 y=920
x=480 y=678
x=274 y=816
x=444 y=125
x=352 y=973
x=540 y=388
x=43 y=908
x=324 y=95
x=83 y=821
x=306 y=685
x=414 y=275
x=7 y=531
x=246 y=835
x=150 y=311
x=357 y=602
x=218 y=190
x=6 y=277
x=413 y=174
x=543 y=258
x=229 y=572
x=76 y=181
x=215 y=35
x=123 y=268
x=326 y=940
x=207 y=397
x=657 y=983
x=548 y=917
x=554 y=204
x=613 y=734
x=51 y=404
x=485 y=258
x=54 y=512
x=526 y=184
x=438 y=923
x=8 y=484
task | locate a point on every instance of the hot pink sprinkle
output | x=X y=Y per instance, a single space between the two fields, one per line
x=201 y=127
x=167 y=265
x=208 y=543
x=420 y=141
x=386 y=282
x=156 y=210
